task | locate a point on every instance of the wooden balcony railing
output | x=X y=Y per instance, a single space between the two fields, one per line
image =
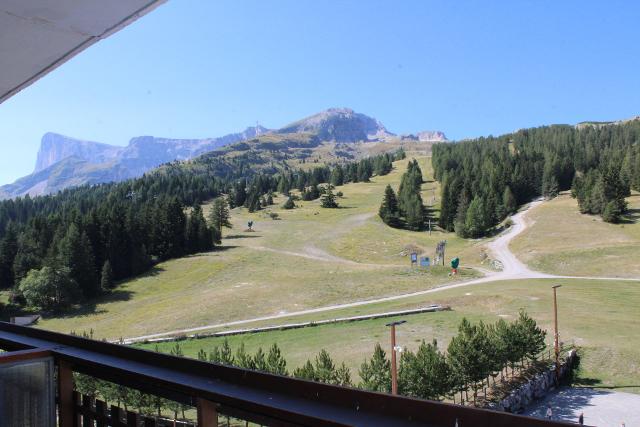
x=257 y=397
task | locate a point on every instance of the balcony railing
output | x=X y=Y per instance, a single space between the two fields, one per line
x=257 y=397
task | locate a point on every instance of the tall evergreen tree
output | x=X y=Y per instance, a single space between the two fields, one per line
x=8 y=252
x=75 y=252
x=276 y=364
x=475 y=221
x=389 y=208
x=106 y=277
x=376 y=372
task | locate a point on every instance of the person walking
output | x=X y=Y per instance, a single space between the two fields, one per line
x=549 y=412
x=581 y=418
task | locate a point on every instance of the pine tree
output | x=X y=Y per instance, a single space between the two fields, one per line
x=337 y=176
x=376 y=372
x=311 y=194
x=343 y=376
x=260 y=360
x=306 y=372
x=468 y=354
x=329 y=200
x=243 y=359
x=460 y=223
x=425 y=374
x=28 y=257
x=8 y=252
x=252 y=202
x=550 y=186
x=219 y=215
x=106 y=277
x=75 y=253
x=612 y=212
x=414 y=212
x=325 y=369
x=475 y=221
x=240 y=193
x=276 y=364
x=509 y=201
x=389 y=208
x=535 y=336
x=289 y=204
x=226 y=355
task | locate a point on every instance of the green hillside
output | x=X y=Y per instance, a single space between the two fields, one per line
x=311 y=257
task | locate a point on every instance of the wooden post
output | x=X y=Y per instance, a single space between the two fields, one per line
x=87 y=420
x=556 y=340
x=133 y=419
x=101 y=414
x=207 y=413
x=394 y=369
x=66 y=405
x=116 y=416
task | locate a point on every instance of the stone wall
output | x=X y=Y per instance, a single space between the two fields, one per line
x=535 y=388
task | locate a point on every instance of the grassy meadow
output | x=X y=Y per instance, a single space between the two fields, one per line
x=597 y=316
x=561 y=240
x=311 y=257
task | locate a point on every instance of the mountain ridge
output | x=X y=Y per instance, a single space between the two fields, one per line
x=64 y=161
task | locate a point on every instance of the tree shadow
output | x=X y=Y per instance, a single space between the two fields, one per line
x=90 y=307
x=566 y=403
x=153 y=271
x=631 y=216
x=586 y=382
x=225 y=248
x=240 y=236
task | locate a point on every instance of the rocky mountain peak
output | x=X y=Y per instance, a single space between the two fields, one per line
x=339 y=125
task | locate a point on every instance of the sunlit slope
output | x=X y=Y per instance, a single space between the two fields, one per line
x=563 y=241
x=311 y=257
x=597 y=316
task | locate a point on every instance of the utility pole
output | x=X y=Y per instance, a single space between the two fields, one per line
x=394 y=366
x=556 y=337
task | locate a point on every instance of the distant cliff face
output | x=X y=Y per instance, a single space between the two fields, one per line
x=66 y=162
x=55 y=147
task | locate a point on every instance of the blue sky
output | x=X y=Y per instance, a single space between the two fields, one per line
x=198 y=68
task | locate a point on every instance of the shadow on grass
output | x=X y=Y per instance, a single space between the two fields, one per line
x=84 y=308
x=632 y=216
x=90 y=307
x=153 y=271
x=240 y=236
x=217 y=249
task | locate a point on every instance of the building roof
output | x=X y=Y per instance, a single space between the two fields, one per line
x=36 y=36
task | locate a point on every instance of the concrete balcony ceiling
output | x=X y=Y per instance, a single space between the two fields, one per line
x=36 y=36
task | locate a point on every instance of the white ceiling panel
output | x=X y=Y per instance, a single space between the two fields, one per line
x=36 y=36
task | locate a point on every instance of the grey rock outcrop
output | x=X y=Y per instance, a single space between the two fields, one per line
x=67 y=162
x=339 y=125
